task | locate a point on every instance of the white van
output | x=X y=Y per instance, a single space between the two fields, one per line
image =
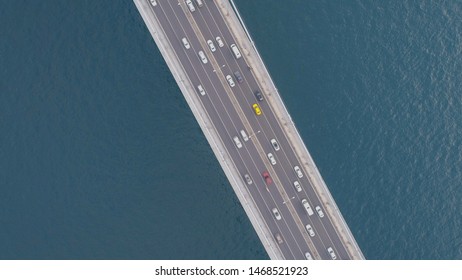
x=307 y=207
x=236 y=51
x=244 y=136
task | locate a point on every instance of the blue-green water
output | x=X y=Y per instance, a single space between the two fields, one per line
x=101 y=158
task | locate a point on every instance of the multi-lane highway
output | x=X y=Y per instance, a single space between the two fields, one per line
x=231 y=110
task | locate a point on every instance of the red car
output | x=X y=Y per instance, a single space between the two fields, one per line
x=267 y=178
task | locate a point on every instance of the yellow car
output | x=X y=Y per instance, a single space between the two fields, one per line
x=256 y=109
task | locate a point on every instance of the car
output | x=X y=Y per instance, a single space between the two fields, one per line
x=310 y=230
x=275 y=144
x=154 y=3
x=201 y=90
x=276 y=214
x=258 y=96
x=199 y=3
x=211 y=45
x=267 y=178
x=238 y=76
x=256 y=109
x=203 y=57
x=307 y=207
x=248 y=179
x=279 y=238
x=237 y=142
x=272 y=159
x=298 y=171
x=244 y=135
x=297 y=186
x=319 y=210
x=236 y=51
x=230 y=81
x=190 y=5
x=219 y=41
x=308 y=256
x=186 y=43
x=331 y=253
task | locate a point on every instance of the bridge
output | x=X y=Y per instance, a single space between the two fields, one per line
x=218 y=69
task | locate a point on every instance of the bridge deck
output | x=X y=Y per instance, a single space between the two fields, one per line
x=223 y=111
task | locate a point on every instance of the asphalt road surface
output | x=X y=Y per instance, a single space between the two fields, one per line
x=230 y=109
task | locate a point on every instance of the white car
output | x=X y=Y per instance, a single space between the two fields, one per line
x=199 y=3
x=203 y=57
x=307 y=207
x=186 y=43
x=310 y=230
x=211 y=45
x=154 y=3
x=298 y=171
x=276 y=214
x=230 y=81
x=237 y=141
x=201 y=90
x=244 y=135
x=297 y=186
x=190 y=5
x=248 y=179
x=279 y=238
x=220 y=42
x=272 y=159
x=308 y=256
x=275 y=144
x=332 y=253
x=319 y=210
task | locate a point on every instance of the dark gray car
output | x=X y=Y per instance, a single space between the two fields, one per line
x=258 y=96
x=238 y=77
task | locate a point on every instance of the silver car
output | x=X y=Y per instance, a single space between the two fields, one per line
x=319 y=210
x=307 y=207
x=332 y=253
x=230 y=81
x=297 y=186
x=237 y=142
x=310 y=230
x=203 y=57
x=308 y=256
x=190 y=5
x=199 y=3
x=279 y=238
x=219 y=41
x=298 y=171
x=248 y=179
x=211 y=45
x=201 y=90
x=276 y=214
x=272 y=159
x=275 y=144
x=244 y=136
x=186 y=43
